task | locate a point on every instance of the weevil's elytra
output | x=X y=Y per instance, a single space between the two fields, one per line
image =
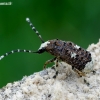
x=69 y=53
x=65 y=51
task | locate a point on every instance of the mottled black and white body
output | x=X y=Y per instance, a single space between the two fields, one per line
x=65 y=51
x=69 y=52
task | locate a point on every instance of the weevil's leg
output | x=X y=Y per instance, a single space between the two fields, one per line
x=49 y=61
x=56 y=74
x=56 y=62
x=78 y=72
x=57 y=59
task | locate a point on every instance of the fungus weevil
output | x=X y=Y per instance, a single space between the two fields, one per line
x=65 y=51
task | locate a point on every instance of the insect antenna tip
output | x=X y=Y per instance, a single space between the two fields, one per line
x=27 y=19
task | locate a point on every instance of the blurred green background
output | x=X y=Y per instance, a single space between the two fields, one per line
x=73 y=20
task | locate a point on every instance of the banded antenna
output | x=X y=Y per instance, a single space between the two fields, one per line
x=29 y=51
x=18 y=50
x=33 y=28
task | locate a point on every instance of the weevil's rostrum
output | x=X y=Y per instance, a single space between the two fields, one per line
x=65 y=51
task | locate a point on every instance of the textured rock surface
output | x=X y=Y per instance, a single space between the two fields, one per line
x=66 y=86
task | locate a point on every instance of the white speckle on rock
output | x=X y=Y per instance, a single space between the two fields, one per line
x=19 y=95
x=43 y=45
x=7 y=91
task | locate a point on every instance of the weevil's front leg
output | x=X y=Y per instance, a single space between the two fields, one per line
x=49 y=61
x=79 y=72
x=56 y=74
x=56 y=62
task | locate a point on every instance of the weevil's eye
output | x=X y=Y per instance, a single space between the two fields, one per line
x=41 y=50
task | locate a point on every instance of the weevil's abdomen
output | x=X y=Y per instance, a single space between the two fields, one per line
x=69 y=53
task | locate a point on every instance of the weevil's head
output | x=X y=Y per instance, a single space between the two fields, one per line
x=53 y=47
x=43 y=47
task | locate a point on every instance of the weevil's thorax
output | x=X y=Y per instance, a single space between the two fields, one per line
x=69 y=53
x=55 y=47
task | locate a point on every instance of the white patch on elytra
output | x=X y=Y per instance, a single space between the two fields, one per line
x=77 y=47
x=44 y=44
x=73 y=55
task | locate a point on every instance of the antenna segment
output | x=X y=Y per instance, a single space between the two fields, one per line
x=33 y=28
